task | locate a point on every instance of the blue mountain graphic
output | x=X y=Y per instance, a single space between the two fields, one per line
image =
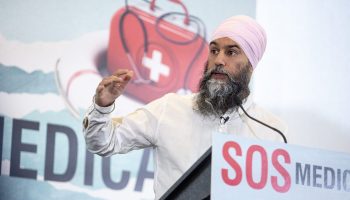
x=15 y=80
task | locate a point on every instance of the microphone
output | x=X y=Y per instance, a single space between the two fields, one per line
x=223 y=119
x=239 y=103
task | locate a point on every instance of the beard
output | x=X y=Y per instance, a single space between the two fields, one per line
x=216 y=97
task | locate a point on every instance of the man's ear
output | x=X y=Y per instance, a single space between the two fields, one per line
x=250 y=67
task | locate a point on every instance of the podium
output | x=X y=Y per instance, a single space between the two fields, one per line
x=194 y=183
x=249 y=169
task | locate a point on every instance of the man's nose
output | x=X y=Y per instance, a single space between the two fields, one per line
x=220 y=59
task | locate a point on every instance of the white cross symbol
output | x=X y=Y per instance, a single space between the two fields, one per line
x=155 y=66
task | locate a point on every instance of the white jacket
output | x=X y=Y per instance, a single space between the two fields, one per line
x=178 y=134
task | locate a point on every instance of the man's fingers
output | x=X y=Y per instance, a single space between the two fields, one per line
x=124 y=74
x=99 y=89
x=111 y=80
x=112 y=86
x=115 y=84
x=120 y=72
x=128 y=75
x=123 y=78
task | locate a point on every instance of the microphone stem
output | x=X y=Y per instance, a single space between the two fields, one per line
x=278 y=131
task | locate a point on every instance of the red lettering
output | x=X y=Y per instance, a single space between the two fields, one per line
x=284 y=173
x=249 y=167
x=224 y=172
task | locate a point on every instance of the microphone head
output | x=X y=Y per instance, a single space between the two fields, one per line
x=223 y=119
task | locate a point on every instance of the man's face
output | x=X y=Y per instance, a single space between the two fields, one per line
x=226 y=53
x=226 y=76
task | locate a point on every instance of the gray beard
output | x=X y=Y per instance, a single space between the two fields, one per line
x=216 y=97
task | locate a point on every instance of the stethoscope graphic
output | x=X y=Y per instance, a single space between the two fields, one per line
x=139 y=79
x=65 y=93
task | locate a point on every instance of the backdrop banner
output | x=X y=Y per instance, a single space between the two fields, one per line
x=53 y=54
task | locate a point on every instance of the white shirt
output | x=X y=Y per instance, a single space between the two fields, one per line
x=178 y=134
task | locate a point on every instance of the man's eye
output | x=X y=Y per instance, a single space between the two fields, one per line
x=231 y=52
x=214 y=51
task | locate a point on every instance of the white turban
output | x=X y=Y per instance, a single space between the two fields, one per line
x=247 y=33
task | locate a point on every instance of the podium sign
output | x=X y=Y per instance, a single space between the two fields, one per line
x=259 y=170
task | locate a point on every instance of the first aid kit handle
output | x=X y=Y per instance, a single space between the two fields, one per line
x=187 y=17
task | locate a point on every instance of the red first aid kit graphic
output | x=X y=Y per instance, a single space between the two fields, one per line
x=166 y=51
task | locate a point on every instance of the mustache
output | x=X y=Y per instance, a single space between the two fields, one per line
x=219 y=69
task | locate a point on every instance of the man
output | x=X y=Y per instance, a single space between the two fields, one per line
x=179 y=128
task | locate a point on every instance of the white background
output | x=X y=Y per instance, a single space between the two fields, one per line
x=303 y=76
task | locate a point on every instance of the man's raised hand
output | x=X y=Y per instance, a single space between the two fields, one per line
x=112 y=87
